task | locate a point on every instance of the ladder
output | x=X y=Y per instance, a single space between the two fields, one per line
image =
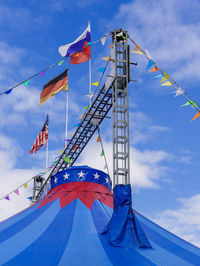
x=113 y=93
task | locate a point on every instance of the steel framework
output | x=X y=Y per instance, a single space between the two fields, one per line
x=113 y=93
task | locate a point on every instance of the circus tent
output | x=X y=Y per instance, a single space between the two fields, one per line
x=75 y=224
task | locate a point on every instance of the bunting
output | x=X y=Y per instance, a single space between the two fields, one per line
x=67 y=159
x=102 y=153
x=16 y=192
x=163 y=79
x=103 y=40
x=178 y=91
x=26 y=83
x=7 y=198
x=107 y=58
x=86 y=107
x=197 y=115
x=75 y=147
x=154 y=69
x=101 y=69
x=60 y=63
x=95 y=84
x=8 y=92
x=150 y=64
x=25 y=185
x=167 y=83
x=98 y=139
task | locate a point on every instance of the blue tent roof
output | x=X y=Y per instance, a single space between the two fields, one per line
x=65 y=228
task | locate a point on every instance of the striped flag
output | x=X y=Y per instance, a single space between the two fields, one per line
x=41 y=138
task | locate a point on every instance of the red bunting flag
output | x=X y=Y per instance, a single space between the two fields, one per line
x=154 y=69
x=75 y=147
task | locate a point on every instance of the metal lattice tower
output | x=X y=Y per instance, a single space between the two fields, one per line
x=113 y=93
x=120 y=106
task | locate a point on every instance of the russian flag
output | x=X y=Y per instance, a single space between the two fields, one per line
x=78 y=50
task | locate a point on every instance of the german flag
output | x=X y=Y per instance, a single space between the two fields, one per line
x=54 y=86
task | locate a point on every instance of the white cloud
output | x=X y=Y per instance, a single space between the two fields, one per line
x=183 y=221
x=167 y=31
x=147 y=167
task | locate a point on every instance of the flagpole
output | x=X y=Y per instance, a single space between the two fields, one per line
x=66 y=128
x=90 y=73
x=47 y=145
x=90 y=81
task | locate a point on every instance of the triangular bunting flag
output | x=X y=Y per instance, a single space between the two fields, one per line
x=67 y=159
x=25 y=185
x=16 y=192
x=7 y=197
x=102 y=153
x=107 y=58
x=147 y=54
x=61 y=62
x=89 y=95
x=81 y=117
x=187 y=103
x=95 y=84
x=41 y=173
x=197 y=115
x=54 y=162
x=42 y=73
x=105 y=166
x=167 y=83
x=158 y=76
x=101 y=69
x=8 y=92
x=150 y=64
x=75 y=147
x=110 y=46
x=167 y=76
x=103 y=40
x=137 y=52
x=26 y=83
x=86 y=107
x=98 y=139
x=163 y=79
x=154 y=69
x=61 y=151
x=68 y=140
x=137 y=48
x=179 y=91
x=89 y=43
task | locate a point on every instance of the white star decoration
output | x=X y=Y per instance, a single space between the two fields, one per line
x=55 y=180
x=107 y=180
x=81 y=174
x=66 y=176
x=96 y=176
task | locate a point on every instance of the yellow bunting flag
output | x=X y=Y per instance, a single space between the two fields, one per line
x=197 y=115
x=95 y=84
x=168 y=83
x=61 y=151
x=107 y=58
x=98 y=139
x=154 y=69
x=138 y=52
x=25 y=185
x=163 y=79
x=167 y=76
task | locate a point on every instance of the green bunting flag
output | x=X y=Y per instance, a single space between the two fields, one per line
x=102 y=153
x=26 y=83
x=192 y=103
x=61 y=62
x=86 y=107
x=67 y=159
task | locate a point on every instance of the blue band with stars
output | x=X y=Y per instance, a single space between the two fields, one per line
x=81 y=174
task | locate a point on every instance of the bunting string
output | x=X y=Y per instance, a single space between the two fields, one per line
x=99 y=139
x=16 y=190
x=42 y=72
x=169 y=81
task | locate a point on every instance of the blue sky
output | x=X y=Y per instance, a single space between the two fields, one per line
x=164 y=143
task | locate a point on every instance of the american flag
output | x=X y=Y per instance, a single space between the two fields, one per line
x=41 y=138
